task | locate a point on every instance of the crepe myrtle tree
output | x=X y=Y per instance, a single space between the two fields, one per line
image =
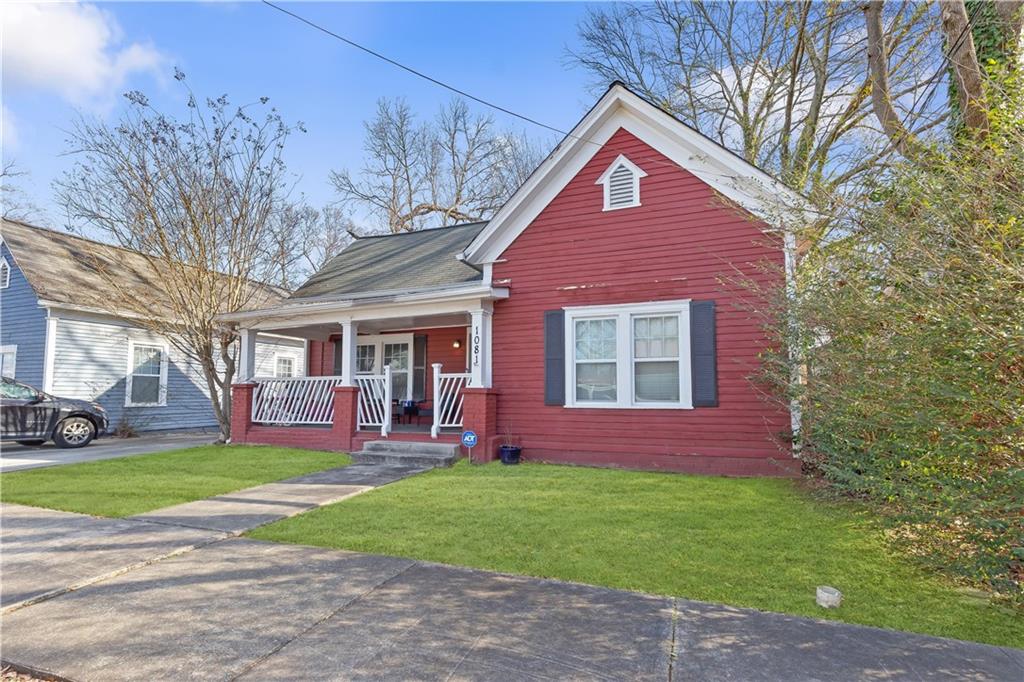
x=193 y=194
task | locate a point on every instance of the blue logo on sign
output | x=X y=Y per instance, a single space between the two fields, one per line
x=469 y=438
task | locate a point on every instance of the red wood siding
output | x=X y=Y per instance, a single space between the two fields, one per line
x=321 y=358
x=440 y=349
x=676 y=245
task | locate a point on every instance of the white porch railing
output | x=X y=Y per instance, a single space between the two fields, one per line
x=447 y=399
x=375 y=401
x=296 y=400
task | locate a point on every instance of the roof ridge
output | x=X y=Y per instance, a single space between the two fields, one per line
x=78 y=237
x=404 y=233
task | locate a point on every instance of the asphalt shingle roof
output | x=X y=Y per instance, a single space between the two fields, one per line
x=64 y=268
x=401 y=262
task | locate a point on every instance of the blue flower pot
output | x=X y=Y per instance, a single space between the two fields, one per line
x=510 y=454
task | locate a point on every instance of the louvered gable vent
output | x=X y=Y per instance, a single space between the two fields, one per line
x=621 y=184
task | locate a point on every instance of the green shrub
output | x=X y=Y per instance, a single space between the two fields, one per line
x=911 y=330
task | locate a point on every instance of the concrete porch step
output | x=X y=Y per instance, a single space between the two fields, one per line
x=423 y=454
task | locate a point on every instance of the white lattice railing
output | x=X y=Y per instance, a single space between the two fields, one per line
x=297 y=400
x=447 y=400
x=375 y=401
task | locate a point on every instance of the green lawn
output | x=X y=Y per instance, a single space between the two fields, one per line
x=761 y=543
x=132 y=485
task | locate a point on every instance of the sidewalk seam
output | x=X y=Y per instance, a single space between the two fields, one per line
x=359 y=597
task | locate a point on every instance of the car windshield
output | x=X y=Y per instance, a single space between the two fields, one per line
x=18 y=391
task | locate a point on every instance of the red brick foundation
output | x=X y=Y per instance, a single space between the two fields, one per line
x=241 y=412
x=480 y=414
x=336 y=437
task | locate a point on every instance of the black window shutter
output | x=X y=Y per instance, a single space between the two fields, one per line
x=554 y=357
x=702 y=354
x=338 y=362
x=419 y=367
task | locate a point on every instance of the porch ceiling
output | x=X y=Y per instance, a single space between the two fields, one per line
x=321 y=332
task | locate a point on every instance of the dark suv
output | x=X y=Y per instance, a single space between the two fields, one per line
x=32 y=417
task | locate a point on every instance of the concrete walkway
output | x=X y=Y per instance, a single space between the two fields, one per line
x=157 y=600
x=14 y=457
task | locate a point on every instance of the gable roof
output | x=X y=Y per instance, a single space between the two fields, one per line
x=65 y=268
x=400 y=262
x=620 y=108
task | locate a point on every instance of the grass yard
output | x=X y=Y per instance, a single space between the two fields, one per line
x=132 y=485
x=761 y=543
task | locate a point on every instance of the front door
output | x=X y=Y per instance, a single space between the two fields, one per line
x=373 y=353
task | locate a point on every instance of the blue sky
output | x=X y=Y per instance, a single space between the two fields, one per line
x=511 y=53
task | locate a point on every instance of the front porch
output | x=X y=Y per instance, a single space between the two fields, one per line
x=405 y=372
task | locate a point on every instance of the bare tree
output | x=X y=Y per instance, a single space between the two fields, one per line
x=301 y=239
x=781 y=83
x=15 y=205
x=193 y=195
x=456 y=168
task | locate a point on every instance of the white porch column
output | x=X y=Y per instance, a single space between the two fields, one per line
x=246 y=355
x=480 y=348
x=349 y=329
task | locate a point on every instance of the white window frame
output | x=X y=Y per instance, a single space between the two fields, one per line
x=290 y=358
x=132 y=343
x=378 y=341
x=625 y=388
x=606 y=180
x=5 y=273
x=13 y=350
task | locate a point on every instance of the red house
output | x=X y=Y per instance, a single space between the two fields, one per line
x=594 y=320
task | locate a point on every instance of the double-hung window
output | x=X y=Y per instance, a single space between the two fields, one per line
x=147 y=375
x=8 y=359
x=635 y=356
x=284 y=366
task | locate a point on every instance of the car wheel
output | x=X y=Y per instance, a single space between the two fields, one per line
x=74 y=432
x=36 y=441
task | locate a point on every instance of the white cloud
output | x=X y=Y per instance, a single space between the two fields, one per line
x=73 y=49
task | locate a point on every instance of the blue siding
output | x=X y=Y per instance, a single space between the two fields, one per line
x=92 y=362
x=23 y=324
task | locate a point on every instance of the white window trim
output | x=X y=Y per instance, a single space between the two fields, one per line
x=5 y=273
x=286 y=356
x=606 y=177
x=132 y=343
x=625 y=388
x=379 y=340
x=13 y=350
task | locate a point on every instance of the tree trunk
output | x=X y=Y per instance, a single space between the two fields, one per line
x=966 y=70
x=881 y=95
x=224 y=411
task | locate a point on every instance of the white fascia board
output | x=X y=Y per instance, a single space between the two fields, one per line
x=420 y=303
x=727 y=173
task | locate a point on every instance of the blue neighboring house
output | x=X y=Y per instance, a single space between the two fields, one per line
x=53 y=335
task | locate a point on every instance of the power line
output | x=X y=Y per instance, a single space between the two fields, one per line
x=947 y=59
x=411 y=70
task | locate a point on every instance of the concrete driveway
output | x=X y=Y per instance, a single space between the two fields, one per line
x=14 y=457
x=170 y=602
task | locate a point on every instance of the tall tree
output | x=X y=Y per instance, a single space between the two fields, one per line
x=975 y=35
x=14 y=205
x=456 y=168
x=194 y=195
x=781 y=83
x=301 y=239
